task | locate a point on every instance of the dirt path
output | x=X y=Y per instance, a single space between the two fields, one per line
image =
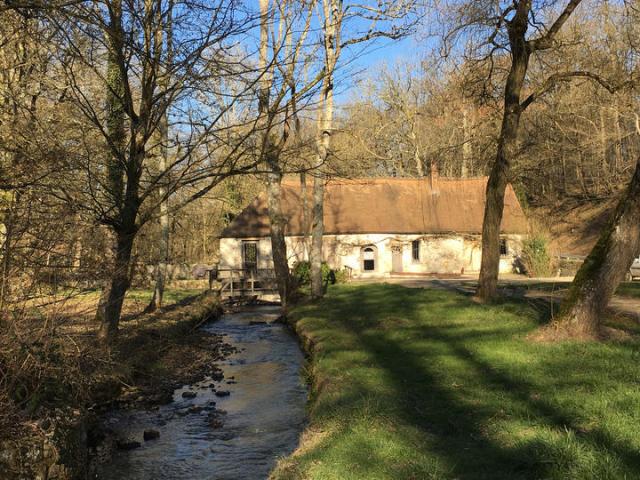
x=517 y=287
x=629 y=307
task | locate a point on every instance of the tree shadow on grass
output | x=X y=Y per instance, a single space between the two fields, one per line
x=457 y=417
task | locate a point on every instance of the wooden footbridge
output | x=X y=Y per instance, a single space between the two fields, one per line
x=243 y=283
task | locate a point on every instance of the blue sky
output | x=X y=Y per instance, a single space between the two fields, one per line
x=368 y=59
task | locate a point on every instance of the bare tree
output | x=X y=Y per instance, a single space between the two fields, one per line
x=608 y=262
x=496 y=27
x=142 y=83
x=577 y=143
x=284 y=30
x=521 y=50
x=406 y=116
x=163 y=159
x=34 y=133
x=335 y=15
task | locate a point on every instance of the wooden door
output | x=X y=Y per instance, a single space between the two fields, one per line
x=396 y=258
x=250 y=258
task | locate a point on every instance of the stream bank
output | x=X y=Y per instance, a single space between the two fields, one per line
x=155 y=353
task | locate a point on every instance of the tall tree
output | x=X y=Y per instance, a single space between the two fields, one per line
x=399 y=18
x=113 y=292
x=603 y=270
x=521 y=49
x=270 y=153
x=605 y=267
x=163 y=162
x=493 y=27
x=284 y=31
x=332 y=18
x=142 y=82
x=35 y=137
x=575 y=145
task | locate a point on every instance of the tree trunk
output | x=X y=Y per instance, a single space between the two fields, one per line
x=418 y=161
x=417 y=157
x=619 y=160
x=204 y=231
x=163 y=131
x=161 y=267
x=6 y=239
x=565 y=179
x=112 y=297
x=332 y=28
x=317 y=229
x=604 y=152
x=115 y=91
x=305 y=214
x=271 y=156
x=317 y=233
x=110 y=304
x=507 y=147
x=604 y=268
x=278 y=222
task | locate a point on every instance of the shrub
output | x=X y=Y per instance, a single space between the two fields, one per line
x=535 y=256
x=302 y=273
x=342 y=276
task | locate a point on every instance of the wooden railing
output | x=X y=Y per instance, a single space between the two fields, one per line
x=235 y=281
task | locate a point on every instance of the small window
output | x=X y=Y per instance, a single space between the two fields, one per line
x=503 y=247
x=250 y=257
x=368 y=259
x=415 y=250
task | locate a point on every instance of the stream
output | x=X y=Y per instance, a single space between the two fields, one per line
x=242 y=434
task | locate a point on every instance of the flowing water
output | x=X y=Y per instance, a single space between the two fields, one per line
x=242 y=435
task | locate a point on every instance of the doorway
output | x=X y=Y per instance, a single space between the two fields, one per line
x=396 y=258
x=250 y=258
x=369 y=259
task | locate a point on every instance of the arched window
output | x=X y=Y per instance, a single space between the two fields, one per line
x=368 y=259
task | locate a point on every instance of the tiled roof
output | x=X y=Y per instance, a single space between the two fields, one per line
x=385 y=205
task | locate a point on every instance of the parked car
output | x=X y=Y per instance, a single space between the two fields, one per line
x=634 y=271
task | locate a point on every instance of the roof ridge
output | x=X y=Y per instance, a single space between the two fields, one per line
x=288 y=181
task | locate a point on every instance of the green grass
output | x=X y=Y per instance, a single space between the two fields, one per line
x=425 y=384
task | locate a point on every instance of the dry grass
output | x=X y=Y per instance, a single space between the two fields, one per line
x=49 y=356
x=574 y=227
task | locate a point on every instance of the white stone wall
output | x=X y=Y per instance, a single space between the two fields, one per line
x=442 y=254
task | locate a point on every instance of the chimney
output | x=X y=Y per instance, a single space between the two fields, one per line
x=434 y=179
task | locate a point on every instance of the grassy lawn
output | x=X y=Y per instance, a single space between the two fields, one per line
x=425 y=384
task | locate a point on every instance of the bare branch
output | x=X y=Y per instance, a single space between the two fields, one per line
x=556 y=78
x=546 y=41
